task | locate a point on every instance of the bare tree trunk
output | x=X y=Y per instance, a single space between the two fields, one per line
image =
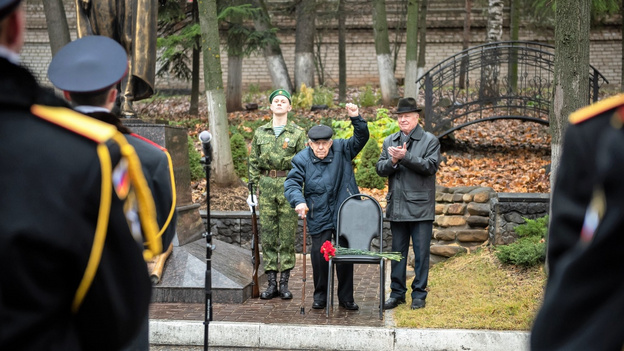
x=422 y=40
x=272 y=53
x=56 y=20
x=387 y=81
x=571 y=90
x=512 y=68
x=411 y=50
x=234 y=88
x=222 y=165
x=194 y=108
x=342 y=53
x=304 y=43
x=234 y=94
x=463 y=70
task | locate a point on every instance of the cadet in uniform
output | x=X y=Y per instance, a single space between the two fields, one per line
x=272 y=148
x=321 y=179
x=584 y=299
x=87 y=70
x=575 y=177
x=74 y=275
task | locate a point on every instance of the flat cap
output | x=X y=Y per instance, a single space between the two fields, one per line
x=320 y=132
x=277 y=92
x=88 y=64
x=7 y=6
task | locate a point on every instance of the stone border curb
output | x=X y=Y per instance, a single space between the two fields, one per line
x=332 y=337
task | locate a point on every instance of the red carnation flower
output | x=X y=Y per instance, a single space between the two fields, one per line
x=328 y=250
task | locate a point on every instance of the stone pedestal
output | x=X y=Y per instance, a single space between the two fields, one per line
x=175 y=139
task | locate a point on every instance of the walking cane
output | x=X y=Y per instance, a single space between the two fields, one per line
x=304 y=266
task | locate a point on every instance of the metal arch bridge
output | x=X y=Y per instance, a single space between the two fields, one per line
x=491 y=90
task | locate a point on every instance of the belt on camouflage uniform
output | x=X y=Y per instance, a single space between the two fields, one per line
x=273 y=173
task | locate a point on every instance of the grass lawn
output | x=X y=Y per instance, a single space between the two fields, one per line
x=475 y=291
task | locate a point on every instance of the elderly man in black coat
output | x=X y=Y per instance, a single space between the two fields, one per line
x=321 y=179
x=410 y=159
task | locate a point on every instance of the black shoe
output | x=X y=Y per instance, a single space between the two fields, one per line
x=352 y=306
x=418 y=303
x=393 y=302
x=317 y=305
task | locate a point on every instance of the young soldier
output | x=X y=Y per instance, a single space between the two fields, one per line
x=272 y=148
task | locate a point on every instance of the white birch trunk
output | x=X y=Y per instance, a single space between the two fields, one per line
x=411 y=74
x=304 y=69
x=221 y=151
x=278 y=71
x=387 y=81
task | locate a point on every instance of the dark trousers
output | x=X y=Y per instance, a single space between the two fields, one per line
x=320 y=270
x=420 y=233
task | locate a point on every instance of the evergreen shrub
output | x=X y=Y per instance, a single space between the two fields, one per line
x=196 y=168
x=366 y=175
x=367 y=97
x=323 y=96
x=530 y=248
x=239 y=155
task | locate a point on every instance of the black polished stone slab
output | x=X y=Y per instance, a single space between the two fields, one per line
x=185 y=271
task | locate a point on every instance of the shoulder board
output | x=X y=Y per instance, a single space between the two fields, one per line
x=296 y=126
x=78 y=123
x=595 y=109
x=148 y=141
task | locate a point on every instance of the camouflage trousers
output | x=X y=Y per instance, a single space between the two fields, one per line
x=279 y=225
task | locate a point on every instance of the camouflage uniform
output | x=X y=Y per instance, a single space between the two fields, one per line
x=278 y=220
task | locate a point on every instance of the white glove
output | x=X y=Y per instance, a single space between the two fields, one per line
x=252 y=201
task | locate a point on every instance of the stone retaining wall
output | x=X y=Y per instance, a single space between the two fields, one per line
x=509 y=211
x=466 y=218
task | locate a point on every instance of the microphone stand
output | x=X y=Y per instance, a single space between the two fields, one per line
x=205 y=161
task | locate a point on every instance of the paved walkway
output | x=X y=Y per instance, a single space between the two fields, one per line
x=366 y=295
x=278 y=324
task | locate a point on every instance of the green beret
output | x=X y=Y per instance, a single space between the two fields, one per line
x=320 y=132
x=279 y=92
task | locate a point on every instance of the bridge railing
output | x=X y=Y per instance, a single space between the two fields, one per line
x=480 y=84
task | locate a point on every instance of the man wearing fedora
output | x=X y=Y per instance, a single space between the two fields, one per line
x=410 y=159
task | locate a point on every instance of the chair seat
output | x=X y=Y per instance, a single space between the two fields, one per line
x=356 y=259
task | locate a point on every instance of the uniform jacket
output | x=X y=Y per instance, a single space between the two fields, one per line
x=574 y=185
x=324 y=184
x=411 y=184
x=274 y=153
x=584 y=299
x=50 y=183
x=155 y=166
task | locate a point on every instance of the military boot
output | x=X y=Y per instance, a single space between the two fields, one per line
x=283 y=285
x=271 y=290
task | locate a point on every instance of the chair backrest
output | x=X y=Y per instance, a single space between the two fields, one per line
x=360 y=220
